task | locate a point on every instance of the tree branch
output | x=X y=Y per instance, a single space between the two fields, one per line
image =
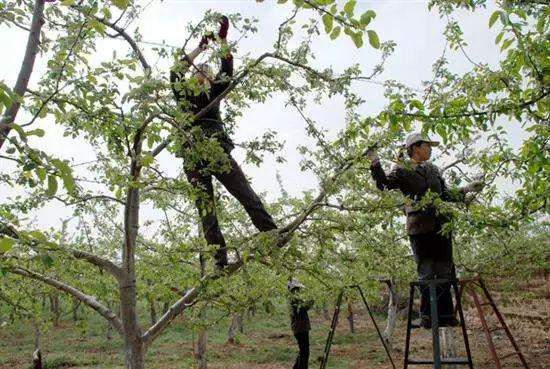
x=25 y=72
x=81 y=296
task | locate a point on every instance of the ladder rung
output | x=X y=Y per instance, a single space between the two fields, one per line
x=496 y=329
x=508 y=355
x=449 y=360
x=485 y=304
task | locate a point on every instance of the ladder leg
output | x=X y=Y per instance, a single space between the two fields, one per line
x=435 y=326
x=458 y=296
x=503 y=323
x=408 y=337
x=333 y=326
x=485 y=328
x=376 y=326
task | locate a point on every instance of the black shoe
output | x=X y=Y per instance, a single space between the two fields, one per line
x=449 y=322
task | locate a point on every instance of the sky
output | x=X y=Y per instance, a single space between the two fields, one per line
x=416 y=31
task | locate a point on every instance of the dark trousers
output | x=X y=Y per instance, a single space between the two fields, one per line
x=303 y=356
x=236 y=183
x=434 y=259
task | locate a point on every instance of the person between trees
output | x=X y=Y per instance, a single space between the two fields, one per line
x=299 y=322
x=200 y=140
x=431 y=246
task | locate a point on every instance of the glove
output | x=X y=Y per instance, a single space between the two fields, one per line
x=205 y=39
x=474 y=186
x=224 y=27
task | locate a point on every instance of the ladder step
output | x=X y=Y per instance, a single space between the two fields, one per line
x=496 y=329
x=485 y=304
x=509 y=354
x=448 y=360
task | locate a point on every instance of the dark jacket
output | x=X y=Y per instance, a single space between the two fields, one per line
x=211 y=123
x=414 y=181
x=299 y=318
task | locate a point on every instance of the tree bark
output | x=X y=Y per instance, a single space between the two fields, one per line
x=350 y=317
x=55 y=309
x=133 y=345
x=393 y=303
x=235 y=327
x=37 y=354
x=33 y=43
x=200 y=356
x=448 y=344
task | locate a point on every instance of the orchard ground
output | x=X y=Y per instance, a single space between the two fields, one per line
x=268 y=344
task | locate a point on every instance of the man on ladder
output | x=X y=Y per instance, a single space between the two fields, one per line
x=431 y=247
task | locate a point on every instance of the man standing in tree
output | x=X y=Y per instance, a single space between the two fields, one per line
x=432 y=248
x=300 y=324
x=206 y=146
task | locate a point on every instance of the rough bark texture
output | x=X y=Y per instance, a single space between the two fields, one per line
x=55 y=308
x=350 y=317
x=448 y=344
x=33 y=43
x=37 y=354
x=393 y=304
x=200 y=355
x=235 y=327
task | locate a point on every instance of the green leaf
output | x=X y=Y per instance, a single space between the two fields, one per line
x=335 y=33
x=68 y=182
x=121 y=4
x=373 y=39
x=366 y=17
x=147 y=159
x=47 y=260
x=350 y=7
x=493 y=18
x=327 y=21
x=68 y=2
x=52 y=186
x=499 y=37
x=281 y=1
x=357 y=39
x=41 y=173
x=6 y=244
x=36 y=132
x=506 y=44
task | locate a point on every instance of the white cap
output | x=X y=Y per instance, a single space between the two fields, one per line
x=294 y=283
x=416 y=137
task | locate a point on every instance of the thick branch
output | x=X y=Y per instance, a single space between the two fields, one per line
x=105 y=264
x=25 y=72
x=81 y=296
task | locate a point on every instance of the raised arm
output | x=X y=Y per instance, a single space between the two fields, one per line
x=383 y=181
x=183 y=64
x=223 y=79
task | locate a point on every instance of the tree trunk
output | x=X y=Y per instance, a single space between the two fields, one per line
x=350 y=317
x=393 y=304
x=133 y=345
x=76 y=305
x=152 y=310
x=235 y=327
x=37 y=354
x=55 y=309
x=200 y=355
x=326 y=313
x=448 y=344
